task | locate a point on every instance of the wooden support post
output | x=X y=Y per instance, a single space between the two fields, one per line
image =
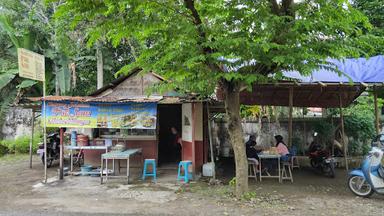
x=334 y=137
x=211 y=144
x=61 y=171
x=343 y=131
x=305 y=138
x=377 y=118
x=31 y=141
x=290 y=117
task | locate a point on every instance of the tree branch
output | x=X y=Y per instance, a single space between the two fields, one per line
x=287 y=7
x=190 y=5
x=275 y=7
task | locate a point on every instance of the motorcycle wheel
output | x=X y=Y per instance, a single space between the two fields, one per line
x=329 y=170
x=49 y=161
x=314 y=164
x=359 y=186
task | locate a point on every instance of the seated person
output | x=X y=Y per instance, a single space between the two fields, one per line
x=282 y=148
x=250 y=149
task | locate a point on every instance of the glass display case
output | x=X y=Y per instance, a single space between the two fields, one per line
x=126 y=133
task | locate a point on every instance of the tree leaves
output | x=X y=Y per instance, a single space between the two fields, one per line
x=5 y=79
x=26 y=84
x=186 y=45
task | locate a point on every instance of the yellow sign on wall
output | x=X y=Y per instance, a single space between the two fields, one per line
x=31 y=65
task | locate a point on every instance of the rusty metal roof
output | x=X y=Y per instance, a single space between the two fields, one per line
x=304 y=95
x=104 y=99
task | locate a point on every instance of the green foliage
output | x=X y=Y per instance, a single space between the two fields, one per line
x=247 y=111
x=21 y=144
x=325 y=131
x=232 y=182
x=359 y=123
x=249 y=195
x=360 y=118
x=374 y=10
x=3 y=150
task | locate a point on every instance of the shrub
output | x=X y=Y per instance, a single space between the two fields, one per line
x=3 y=150
x=21 y=144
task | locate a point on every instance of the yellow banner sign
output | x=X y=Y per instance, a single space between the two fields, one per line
x=31 y=65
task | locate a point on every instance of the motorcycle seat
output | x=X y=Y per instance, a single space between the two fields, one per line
x=381 y=172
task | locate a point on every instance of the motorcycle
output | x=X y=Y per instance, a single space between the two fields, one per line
x=53 y=149
x=369 y=178
x=321 y=159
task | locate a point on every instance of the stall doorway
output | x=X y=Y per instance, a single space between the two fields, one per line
x=169 y=115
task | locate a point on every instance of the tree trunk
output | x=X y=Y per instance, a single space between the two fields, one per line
x=57 y=83
x=100 y=65
x=232 y=107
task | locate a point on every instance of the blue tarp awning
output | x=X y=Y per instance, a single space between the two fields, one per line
x=359 y=70
x=334 y=87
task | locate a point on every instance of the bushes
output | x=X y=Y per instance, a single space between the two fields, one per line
x=3 y=150
x=19 y=145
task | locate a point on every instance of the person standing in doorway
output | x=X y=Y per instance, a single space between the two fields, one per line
x=176 y=144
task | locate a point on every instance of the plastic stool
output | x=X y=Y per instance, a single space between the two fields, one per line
x=185 y=166
x=153 y=173
x=253 y=168
x=286 y=172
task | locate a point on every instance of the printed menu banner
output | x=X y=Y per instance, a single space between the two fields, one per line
x=101 y=115
x=31 y=64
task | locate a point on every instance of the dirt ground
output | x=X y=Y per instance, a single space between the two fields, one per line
x=21 y=193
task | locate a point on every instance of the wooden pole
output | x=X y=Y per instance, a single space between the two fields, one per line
x=334 y=137
x=61 y=172
x=211 y=144
x=290 y=117
x=31 y=142
x=45 y=133
x=305 y=138
x=377 y=120
x=343 y=131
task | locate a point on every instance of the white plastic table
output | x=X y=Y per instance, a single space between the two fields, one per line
x=270 y=156
x=71 y=148
x=123 y=155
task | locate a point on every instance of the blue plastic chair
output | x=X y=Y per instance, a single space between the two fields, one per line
x=186 y=175
x=148 y=162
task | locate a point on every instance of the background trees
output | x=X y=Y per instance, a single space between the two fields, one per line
x=70 y=62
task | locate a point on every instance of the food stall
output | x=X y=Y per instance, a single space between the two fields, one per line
x=122 y=114
x=111 y=124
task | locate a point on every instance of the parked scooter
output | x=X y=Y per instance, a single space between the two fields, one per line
x=369 y=178
x=321 y=159
x=53 y=149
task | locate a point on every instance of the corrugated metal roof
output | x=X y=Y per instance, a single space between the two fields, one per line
x=105 y=99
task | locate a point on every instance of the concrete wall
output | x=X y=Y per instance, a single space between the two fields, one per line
x=265 y=132
x=17 y=123
x=192 y=134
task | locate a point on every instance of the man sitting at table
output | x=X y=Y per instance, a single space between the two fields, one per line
x=250 y=149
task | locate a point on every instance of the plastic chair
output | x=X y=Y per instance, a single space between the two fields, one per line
x=294 y=160
x=148 y=162
x=186 y=175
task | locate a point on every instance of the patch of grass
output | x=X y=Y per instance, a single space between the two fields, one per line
x=14 y=157
x=249 y=195
x=212 y=191
x=233 y=182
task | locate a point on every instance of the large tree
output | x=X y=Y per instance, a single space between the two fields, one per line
x=202 y=44
x=374 y=10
